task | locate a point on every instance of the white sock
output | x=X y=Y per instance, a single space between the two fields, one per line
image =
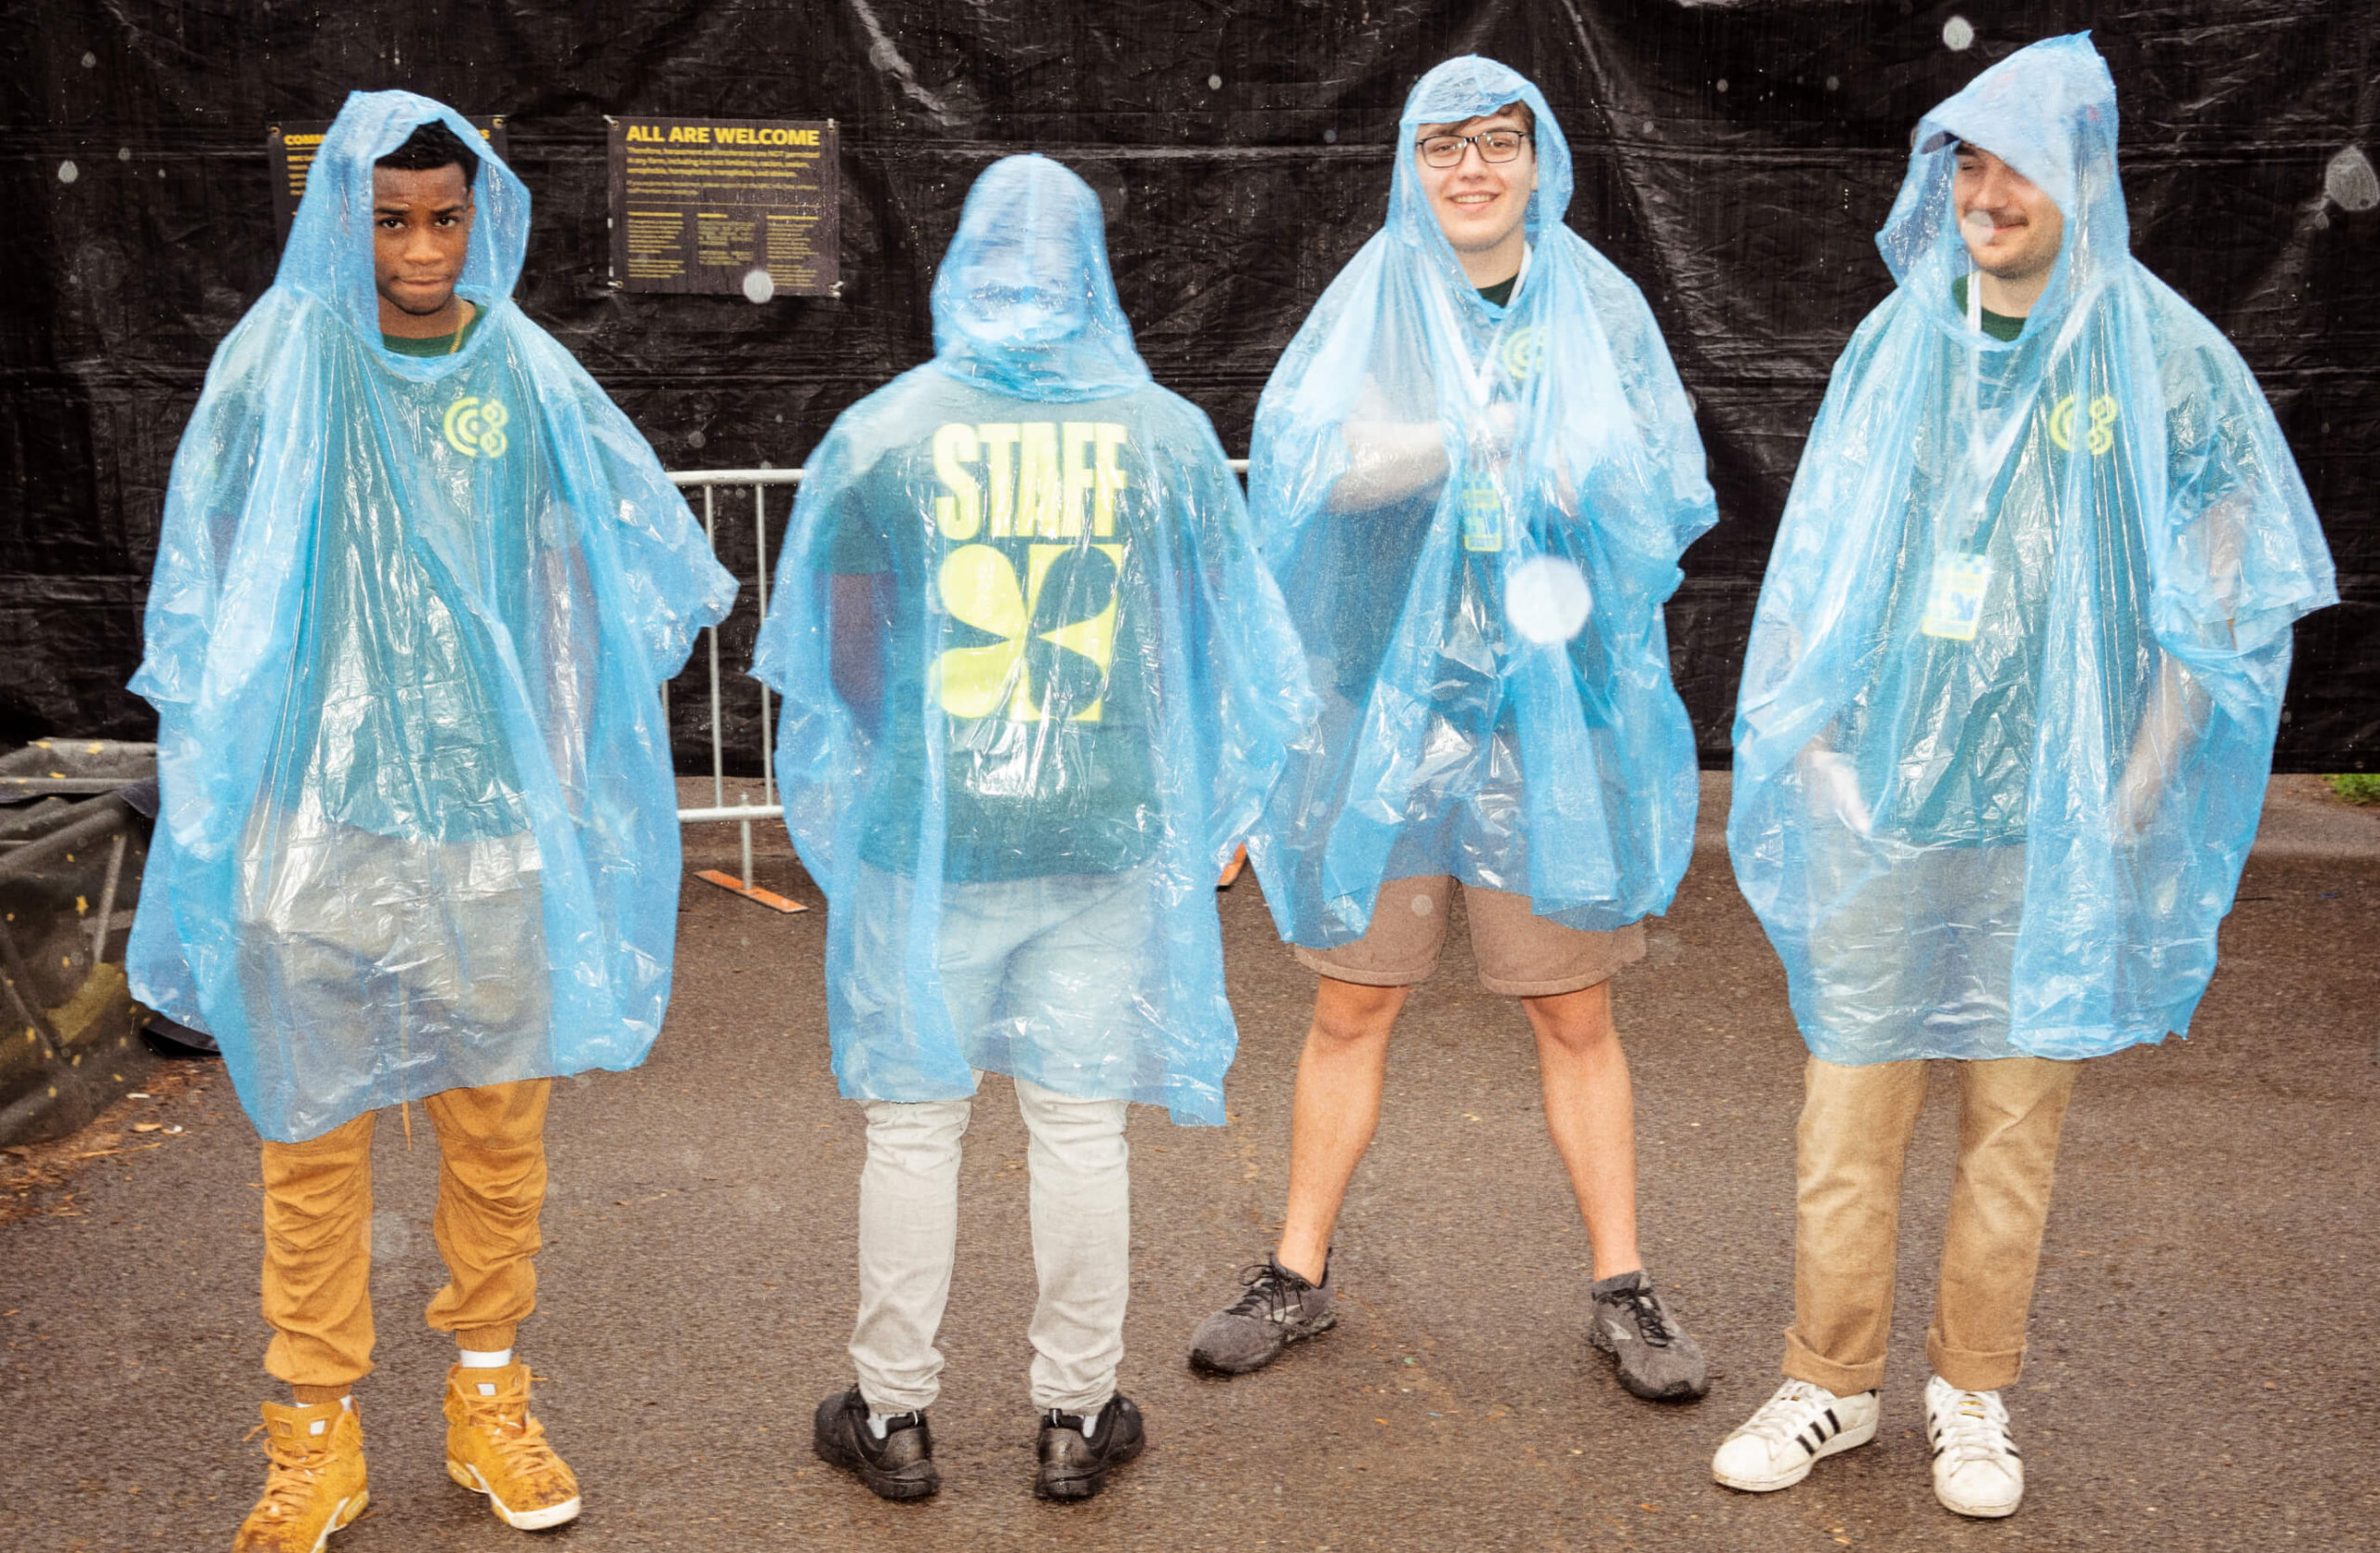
x=470 y=1359
x=875 y=1423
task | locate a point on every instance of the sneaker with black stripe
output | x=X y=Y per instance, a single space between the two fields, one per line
x=1777 y=1446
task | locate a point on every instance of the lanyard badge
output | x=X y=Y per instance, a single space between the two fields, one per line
x=1954 y=603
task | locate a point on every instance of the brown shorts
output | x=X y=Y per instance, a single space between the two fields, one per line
x=1520 y=953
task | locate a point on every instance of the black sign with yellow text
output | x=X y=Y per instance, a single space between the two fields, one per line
x=737 y=205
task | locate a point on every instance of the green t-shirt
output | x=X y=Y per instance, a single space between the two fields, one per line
x=1999 y=325
x=436 y=345
x=1009 y=546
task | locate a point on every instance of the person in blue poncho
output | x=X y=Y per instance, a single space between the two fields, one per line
x=1036 y=682
x=1473 y=472
x=418 y=583
x=2005 y=729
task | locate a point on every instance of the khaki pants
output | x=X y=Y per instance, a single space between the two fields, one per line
x=317 y=1231
x=1854 y=1136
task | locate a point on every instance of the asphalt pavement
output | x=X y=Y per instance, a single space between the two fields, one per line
x=2202 y=1375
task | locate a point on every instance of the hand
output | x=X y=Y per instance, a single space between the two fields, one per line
x=1832 y=784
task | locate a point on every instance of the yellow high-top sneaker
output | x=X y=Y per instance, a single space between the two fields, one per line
x=494 y=1447
x=315 y=1484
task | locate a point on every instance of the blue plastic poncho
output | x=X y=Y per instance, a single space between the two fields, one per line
x=405 y=637
x=1443 y=487
x=2019 y=661
x=1035 y=682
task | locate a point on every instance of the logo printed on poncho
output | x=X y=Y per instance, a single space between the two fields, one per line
x=2102 y=435
x=978 y=585
x=475 y=426
x=1523 y=351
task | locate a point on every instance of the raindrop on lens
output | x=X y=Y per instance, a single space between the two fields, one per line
x=2350 y=181
x=1834 y=82
x=695 y=439
x=1331 y=137
x=1547 y=600
x=1957 y=33
x=90 y=61
x=124 y=154
x=68 y=172
x=1975 y=225
x=1214 y=83
x=760 y=286
x=1722 y=83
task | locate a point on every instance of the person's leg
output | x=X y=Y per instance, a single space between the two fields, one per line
x=2011 y=1113
x=1591 y=1113
x=318 y=1261
x=1334 y=1113
x=491 y=1189
x=908 y=1236
x=1082 y=1233
x=1849 y=1148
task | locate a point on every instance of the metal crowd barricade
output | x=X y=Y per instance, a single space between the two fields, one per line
x=744 y=812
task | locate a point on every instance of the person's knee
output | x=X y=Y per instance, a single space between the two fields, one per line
x=1348 y=1015
x=1580 y=1023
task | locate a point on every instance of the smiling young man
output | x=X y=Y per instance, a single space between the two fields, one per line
x=1473 y=472
x=2006 y=723
x=417 y=582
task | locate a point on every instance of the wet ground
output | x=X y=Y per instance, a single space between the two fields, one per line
x=2202 y=1375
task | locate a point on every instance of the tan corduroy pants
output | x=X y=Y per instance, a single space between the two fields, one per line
x=317 y=1232
x=1853 y=1136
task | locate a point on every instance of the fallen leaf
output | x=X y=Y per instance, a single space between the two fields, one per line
x=147 y=1126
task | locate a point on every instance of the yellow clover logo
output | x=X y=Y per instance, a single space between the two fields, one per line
x=475 y=426
x=1524 y=352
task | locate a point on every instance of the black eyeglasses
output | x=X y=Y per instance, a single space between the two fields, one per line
x=1494 y=145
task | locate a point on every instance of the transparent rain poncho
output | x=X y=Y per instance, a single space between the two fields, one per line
x=1035 y=682
x=404 y=640
x=2019 y=661
x=1475 y=514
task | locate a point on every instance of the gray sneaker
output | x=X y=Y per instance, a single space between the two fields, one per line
x=1658 y=1360
x=1278 y=1309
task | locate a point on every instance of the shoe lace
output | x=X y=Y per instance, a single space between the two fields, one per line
x=1786 y=1415
x=1272 y=1290
x=292 y=1462
x=519 y=1437
x=1644 y=1310
x=1974 y=1428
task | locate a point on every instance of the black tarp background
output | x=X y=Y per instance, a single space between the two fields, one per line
x=1735 y=159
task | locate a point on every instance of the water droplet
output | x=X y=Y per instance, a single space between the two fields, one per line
x=695 y=439
x=124 y=154
x=1331 y=137
x=90 y=61
x=1722 y=83
x=760 y=286
x=2350 y=180
x=1649 y=127
x=68 y=172
x=1834 y=82
x=1958 y=34
x=1214 y=83
x=1547 y=600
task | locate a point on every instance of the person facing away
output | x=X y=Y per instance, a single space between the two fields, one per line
x=1473 y=472
x=1036 y=682
x=417 y=582
x=2004 y=734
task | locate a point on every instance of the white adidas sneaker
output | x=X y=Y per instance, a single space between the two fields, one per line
x=1977 y=1470
x=1777 y=1446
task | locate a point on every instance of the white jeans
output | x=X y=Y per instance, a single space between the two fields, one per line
x=908 y=1235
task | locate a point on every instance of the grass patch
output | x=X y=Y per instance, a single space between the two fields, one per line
x=2356 y=787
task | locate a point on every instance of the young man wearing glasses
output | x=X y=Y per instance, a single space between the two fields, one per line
x=1473 y=473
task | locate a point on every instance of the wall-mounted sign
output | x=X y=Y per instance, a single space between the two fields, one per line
x=724 y=205
x=291 y=147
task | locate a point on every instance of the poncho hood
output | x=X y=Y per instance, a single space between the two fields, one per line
x=1024 y=303
x=2049 y=111
x=329 y=253
x=1466 y=89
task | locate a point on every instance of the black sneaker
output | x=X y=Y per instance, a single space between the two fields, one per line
x=1658 y=1360
x=1278 y=1309
x=900 y=1465
x=1077 y=1452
